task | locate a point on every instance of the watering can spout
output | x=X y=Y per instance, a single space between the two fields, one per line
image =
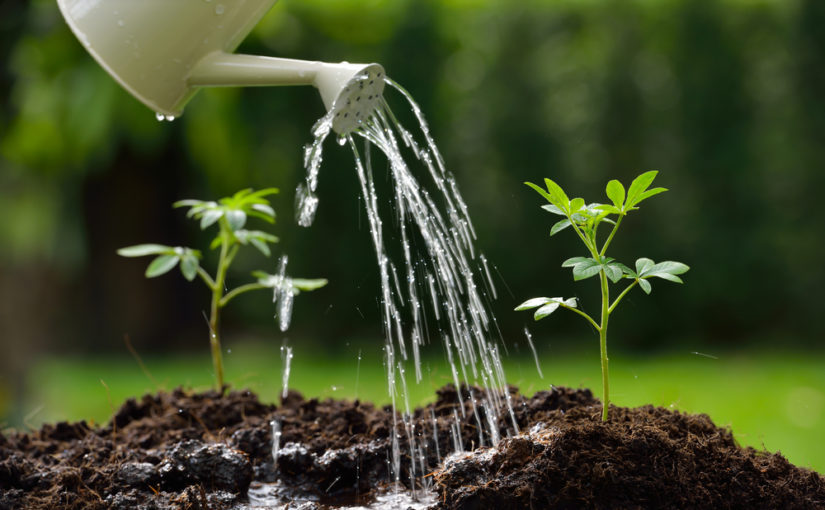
x=163 y=51
x=349 y=91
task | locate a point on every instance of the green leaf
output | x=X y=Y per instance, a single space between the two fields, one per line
x=139 y=250
x=236 y=219
x=586 y=270
x=188 y=203
x=667 y=270
x=642 y=265
x=558 y=227
x=555 y=191
x=638 y=189
x=263 y=236
x=265 y=217
x=616 y=194
x=308 y=285
x=216 y=242
x=264 y=192
x=625 y=270
x=614 y=272
x=645 y=285
x=553 y=209
x=543 y=193
x=265 y=209
x=189 y=266
x=162 y=264
x=649 y=193
x=546 y=310
x=670 y=266
x=571 y=302
x=532 y=303
x=574 y=260
x=609 y=209
x=581 y=217
x=261 y=246
x=209 y=217
x=576 y=204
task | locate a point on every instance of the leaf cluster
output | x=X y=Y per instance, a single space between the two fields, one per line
x=585 y=220
x=230 y=214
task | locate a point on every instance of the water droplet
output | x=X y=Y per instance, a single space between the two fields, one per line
x=342 y=140
x=161 y=117
x=219 y=9
x=170 y=118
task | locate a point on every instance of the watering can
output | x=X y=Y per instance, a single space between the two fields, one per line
x=163 y=51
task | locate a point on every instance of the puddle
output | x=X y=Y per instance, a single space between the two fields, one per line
x=278 y=496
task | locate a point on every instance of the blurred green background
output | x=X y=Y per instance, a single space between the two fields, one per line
x=726 y=98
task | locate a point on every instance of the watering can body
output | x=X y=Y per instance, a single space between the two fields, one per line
x=162 y=51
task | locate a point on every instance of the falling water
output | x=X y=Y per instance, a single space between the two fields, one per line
x=529 y=338
x=435 y=271
x=286 y=355
x=276 y=441
x=283 y=295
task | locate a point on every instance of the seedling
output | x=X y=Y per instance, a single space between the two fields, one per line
x=230 y=215
x=585 y=220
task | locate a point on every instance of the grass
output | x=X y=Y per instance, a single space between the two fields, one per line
x=774 y=401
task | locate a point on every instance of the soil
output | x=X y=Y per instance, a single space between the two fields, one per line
x=184 y=450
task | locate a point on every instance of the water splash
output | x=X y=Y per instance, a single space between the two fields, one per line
x=305 y=200
x=276 y=441
x=432 y=271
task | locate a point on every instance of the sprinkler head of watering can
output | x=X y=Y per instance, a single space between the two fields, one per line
x=163 y=51
x=351 y=92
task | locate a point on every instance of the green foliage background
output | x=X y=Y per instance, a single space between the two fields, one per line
x=726 y=98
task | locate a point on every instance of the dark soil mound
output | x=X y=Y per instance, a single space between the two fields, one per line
x=189 y=451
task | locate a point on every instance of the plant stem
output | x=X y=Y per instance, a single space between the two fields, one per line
x=612 y=233
x=206 y=278
x=240 y=290
x=625 y=291
x=603 y=344
x=214 y=316
x=583 y=314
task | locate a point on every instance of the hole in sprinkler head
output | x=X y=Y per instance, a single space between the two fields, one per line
x=358 y=98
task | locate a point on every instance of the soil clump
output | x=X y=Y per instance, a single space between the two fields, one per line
x=184 y=450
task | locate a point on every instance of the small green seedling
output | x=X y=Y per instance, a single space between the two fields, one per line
x=230 y=215
x=585 y=220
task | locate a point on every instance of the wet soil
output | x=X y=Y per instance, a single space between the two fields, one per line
x=184 y=450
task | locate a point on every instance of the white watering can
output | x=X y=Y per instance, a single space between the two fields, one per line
x=162 y=51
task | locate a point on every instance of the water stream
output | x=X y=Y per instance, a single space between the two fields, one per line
x=434 y=286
